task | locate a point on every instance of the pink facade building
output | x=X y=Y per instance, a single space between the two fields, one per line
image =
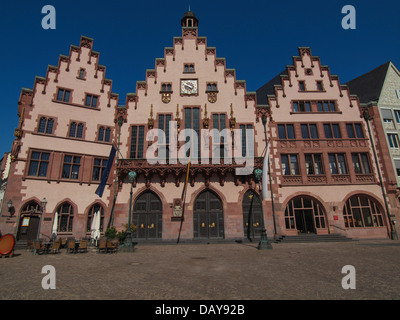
x=323 y=171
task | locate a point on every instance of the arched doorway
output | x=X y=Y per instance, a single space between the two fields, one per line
x=29 y=221
x=305 y=215
x=252 y=215
x=147 y=216
x=208 y=217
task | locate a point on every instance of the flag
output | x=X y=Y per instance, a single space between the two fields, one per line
x=265 y=175
x=104 y=178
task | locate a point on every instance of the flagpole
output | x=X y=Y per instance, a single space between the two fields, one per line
x=264 y=122
x=110 y=222
x=183 y=197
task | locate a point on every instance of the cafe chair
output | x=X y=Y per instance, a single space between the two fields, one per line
x=83 y=246
x=71 y=246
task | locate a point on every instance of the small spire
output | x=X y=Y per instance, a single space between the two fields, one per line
x=189 y=7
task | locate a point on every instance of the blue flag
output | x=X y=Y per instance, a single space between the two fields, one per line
x=104 y=178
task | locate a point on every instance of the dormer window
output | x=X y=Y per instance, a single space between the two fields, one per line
x=166 y=87
x=81 y=74
x=188 y=68
x=211 y=86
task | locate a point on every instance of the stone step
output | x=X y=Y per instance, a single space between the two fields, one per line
x=301 y=238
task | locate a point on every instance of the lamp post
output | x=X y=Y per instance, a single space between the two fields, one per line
x=393 y=232
x=264 y=243
x=128 y=239
x=264 y=122
x=43 y=203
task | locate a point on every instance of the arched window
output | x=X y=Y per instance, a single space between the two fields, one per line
x=49 y=128
x=101 y=134
x=79 y=132
x=65 y=217
x=107 y=137
x=95 y=208
x=31 y=207
x=361 y=211
x=42 y=125
x=72 y=129
x=82 y=73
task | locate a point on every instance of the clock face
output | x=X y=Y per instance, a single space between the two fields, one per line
x=189 y=86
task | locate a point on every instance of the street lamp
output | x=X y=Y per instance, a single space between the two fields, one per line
x=9 y=206
x=43 y=203
x=128 y=238
x=264 y=243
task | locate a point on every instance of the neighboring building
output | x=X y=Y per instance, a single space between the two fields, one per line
x=65 y=133
x=379 y=94
x=323 y=170
x=325 y=175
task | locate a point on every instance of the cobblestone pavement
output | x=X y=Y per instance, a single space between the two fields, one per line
x=210 y=271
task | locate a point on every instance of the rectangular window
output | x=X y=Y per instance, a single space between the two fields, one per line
x=247 y=141
x=38 y=164
x=99 y=165
x=319 y=86
x=332 y=130
x=354 y=130
x=309 y=131
x=361 y=163
x=397 y=115
x=192 y=121
x=91 y=101
x=219 y=123
x=163 y=124
x=137 y=142
x=302 y=86
x=314 y=164
x=326 y=106
x=397 y=165
x=302 y=106
x=290 y=164
x=286 y=131
x=63 y=95
x=350 y=130
x=71 y=167
x=337 y=163
x=393 y=140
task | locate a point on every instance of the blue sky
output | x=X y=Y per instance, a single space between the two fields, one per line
x=130 y=35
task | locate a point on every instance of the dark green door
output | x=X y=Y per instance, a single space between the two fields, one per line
x=208 y=217
x=147 y=216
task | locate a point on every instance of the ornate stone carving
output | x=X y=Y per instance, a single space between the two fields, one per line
x=166 y=97
x=212 y=96
x=205 y=119
x=150 y=121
